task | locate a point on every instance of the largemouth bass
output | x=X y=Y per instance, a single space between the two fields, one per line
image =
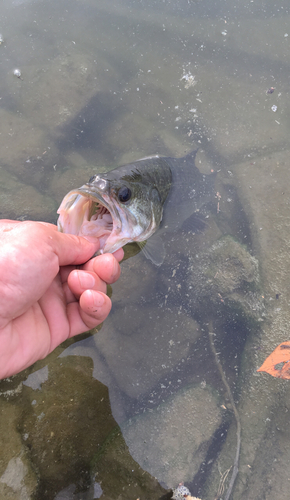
x=130 y=203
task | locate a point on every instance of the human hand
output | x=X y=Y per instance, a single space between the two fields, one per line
x=46 y=295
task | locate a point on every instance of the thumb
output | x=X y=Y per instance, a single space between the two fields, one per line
x=71 y=249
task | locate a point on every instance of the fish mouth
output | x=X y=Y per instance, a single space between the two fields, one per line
x=89 y=213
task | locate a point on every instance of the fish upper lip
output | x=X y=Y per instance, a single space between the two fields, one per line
x=89 y=191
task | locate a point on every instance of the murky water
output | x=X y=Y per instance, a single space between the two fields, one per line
x=138 y=407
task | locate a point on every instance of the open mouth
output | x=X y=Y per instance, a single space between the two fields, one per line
x=83 y=215
x=98 y=223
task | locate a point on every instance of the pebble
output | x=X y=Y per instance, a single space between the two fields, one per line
x=17 y=73
x=180 y=492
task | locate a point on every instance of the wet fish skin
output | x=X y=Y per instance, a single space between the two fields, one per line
x=149 y=181
x=134 y=200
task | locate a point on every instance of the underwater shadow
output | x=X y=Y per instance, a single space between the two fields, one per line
x=87 y=131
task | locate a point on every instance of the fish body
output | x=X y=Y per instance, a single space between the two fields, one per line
x=130 y=203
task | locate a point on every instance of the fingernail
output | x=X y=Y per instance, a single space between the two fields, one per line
x=115 y=271
x=86 y=280
x=99 y=299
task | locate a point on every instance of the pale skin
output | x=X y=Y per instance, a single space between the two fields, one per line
x=50 y=290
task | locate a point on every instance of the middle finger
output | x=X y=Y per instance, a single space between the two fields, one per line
x=79 y=281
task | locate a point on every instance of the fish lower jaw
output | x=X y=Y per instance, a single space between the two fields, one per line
x=118 y=237
x=111 y=247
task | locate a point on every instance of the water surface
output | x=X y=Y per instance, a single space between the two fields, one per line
x=138 y=407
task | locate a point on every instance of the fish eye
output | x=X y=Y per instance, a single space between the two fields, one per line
x=124 y=194
x=92 y=179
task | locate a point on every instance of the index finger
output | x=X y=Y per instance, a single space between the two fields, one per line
x=105 y=266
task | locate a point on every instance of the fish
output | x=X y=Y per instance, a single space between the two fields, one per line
x=132 y=202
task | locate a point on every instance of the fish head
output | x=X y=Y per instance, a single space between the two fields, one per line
x=116 y=208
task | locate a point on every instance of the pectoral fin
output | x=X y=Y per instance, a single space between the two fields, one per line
x=153 y=249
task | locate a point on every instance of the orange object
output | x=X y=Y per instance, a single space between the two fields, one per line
x=278 y=363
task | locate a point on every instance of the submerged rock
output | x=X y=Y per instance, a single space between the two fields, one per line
x=144 y=344
x=22 y=201
x=120 y=476
x=18 y=480
x=226 y=277
x=69 y=421
x=172 y=441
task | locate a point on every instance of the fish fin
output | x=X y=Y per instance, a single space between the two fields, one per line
x=148 y=157
x=195 y=223
x=153 y=249
x=175 y=217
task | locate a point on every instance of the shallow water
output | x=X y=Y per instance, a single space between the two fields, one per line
x=138 y=407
